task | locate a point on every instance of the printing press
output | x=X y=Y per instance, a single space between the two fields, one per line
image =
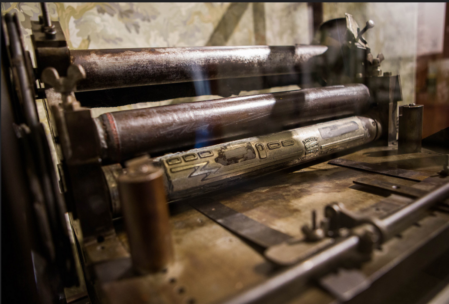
x=326 y=194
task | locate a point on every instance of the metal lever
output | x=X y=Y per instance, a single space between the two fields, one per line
x=369 y=24
x=64 y=85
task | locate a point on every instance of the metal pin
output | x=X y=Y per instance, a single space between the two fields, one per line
x=45 y=15
x=48 y=28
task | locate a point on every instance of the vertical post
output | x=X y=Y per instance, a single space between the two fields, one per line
x=47 y=27
x=45 y=16
x=410 y=128
x=146 y=216
x=315 y=17
x=446 y=34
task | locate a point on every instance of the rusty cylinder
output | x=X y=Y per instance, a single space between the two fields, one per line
x=410 y=128
x=145 y=210
x=133 y=67
x=125 y=134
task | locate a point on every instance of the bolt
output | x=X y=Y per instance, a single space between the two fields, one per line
x=314 y=234
x=50 y=32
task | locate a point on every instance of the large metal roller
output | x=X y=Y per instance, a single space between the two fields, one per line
x=215 y=167
x=116 y=68
x=171 y=128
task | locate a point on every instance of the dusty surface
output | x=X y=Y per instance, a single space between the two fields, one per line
x=212 y=263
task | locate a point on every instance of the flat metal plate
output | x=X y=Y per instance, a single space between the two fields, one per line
x=380 y=168
x=392 y=187
x=240 y=224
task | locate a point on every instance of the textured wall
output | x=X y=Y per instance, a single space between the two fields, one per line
x=125 y=25
x=394 y=35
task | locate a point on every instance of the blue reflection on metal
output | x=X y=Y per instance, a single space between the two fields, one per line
x=202 y=87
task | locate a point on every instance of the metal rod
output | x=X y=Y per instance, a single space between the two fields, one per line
x=133 y=67
x=21 y=74
x=45 y=15
x=398 y=221
x=171 y=128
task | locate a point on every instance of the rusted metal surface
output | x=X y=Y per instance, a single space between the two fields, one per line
x=145 y=212
x=211 y=263
x=56 y=57
x=126 y=133
x=134 y=67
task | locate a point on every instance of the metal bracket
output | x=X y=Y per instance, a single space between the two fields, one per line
x=82 y=157
x=39 y=38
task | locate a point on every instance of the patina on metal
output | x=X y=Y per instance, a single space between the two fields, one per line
x=410 y=128
x=216 y=167
x=171 y=65
x=170 y=128
x=145 y=211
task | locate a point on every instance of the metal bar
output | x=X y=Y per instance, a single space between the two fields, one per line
x=161 y=129
x=394 y=188
x=380 y=169
x=134 y=67
x=21 y=75
x=240 y=224
x=398 y=221
x=45 y=15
